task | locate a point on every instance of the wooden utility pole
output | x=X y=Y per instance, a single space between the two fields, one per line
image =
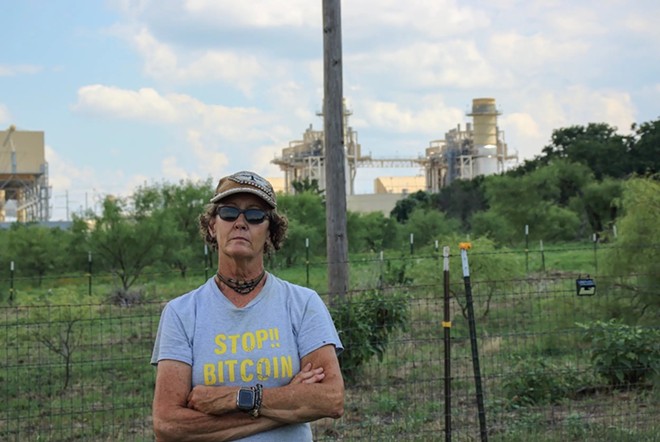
x=335 y=172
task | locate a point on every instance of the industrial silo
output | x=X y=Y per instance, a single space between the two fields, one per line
x=484 y=114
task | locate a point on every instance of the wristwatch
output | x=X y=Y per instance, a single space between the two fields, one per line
x=246 y=399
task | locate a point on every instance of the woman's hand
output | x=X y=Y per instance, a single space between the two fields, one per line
x=308 y=376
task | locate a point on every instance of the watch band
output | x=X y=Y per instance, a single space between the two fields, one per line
x=253 y=406
x=258 y=398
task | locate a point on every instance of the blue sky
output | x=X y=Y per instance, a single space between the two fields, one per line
x=142 y=91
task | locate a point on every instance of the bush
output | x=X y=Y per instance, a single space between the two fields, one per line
x=624 y=355
x=535 y=381
x=126 y=298
x=365 y=325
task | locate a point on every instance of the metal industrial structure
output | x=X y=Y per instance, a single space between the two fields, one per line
x=305 y=159
x=480 y=149
x=24 y=175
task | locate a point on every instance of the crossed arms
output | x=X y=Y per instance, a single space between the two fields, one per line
x=206 y=413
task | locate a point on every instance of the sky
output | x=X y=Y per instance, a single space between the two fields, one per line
x=134 y=92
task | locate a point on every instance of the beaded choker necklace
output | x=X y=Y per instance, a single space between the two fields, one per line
x=242 y=287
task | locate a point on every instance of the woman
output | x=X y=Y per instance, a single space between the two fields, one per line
x=246 y=355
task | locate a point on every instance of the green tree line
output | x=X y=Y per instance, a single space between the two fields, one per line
x=572 y=190
x=588 y=179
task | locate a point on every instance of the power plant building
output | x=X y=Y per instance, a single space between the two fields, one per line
x=479 y=149
x=23 y=175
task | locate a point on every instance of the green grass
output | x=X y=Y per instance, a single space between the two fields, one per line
x=519 y=317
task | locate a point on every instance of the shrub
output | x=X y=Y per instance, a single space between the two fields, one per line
x=125 y=298
x=624 y=355
x=365 y=325
x=534 y=381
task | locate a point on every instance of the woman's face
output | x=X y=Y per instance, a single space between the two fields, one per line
x=238 y=238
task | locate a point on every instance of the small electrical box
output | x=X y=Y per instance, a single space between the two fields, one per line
x=585 y=286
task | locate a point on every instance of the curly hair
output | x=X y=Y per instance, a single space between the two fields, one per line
x=277 y=228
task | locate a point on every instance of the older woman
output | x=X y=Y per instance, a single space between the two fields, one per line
x=247 y=355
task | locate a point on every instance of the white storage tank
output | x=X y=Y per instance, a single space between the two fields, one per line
x=484 y=120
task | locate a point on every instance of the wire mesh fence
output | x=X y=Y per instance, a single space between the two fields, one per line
x=81 y=371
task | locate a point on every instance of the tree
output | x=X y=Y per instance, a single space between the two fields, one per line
x=597 y=146
x=598 y=202
x=371 y=232
x=645 y=152
x=636 y=252
x=128 y=244
x=404 y=207
x=35 y=249
x=181 y=204
x=427 y=225
x=306 y=215
x=63 y=337
x=307 y=185
x=495 y=226
x=535 y=200
x=461 y=199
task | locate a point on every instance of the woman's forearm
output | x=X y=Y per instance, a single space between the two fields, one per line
x=184 y=424
x=304 y=402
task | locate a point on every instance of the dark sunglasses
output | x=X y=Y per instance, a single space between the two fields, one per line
x=252 y=216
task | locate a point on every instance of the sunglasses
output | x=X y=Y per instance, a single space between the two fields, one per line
x=252 y=216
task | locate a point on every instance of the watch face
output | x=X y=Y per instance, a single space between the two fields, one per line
x=245 y=399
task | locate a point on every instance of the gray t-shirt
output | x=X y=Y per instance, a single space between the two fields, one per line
x=262 y=342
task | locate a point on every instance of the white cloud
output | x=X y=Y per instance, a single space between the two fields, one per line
x=261 y=14
x=531 y=55
x=216 y=137
x=172 y=170
x=539 y=112
x=523 y=123
x=144 y=104
x=456 y=63
x=164 y=62
x=608 y=106
x=643 y=24
x=13 y=70
x=62 y=173
x=210 y=159
x=262 y=159
x=526 y=130
x=426 y=18
x=430 y=118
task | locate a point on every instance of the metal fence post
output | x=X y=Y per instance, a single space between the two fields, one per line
x=89 y=273
x=527 y=248
x=446 y=325
x=595 y=238
x=11 y=282
x=307 y=259
x=473 y=342
x=381 y=275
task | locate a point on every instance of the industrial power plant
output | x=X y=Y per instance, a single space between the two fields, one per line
x=479 y=149
x=24 y=176
x=464 y=153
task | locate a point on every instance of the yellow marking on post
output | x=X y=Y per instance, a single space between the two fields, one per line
x=464 y=245
x=446 y=324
